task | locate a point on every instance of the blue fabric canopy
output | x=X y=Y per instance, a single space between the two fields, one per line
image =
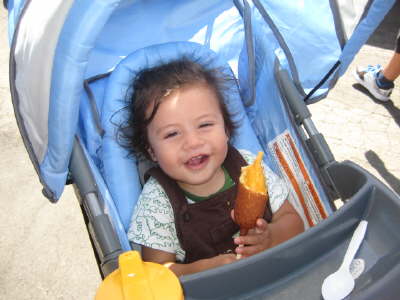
x=67 y=41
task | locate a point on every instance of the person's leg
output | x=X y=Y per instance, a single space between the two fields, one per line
x=392 y=69
x=378 y=81
x=372 y=79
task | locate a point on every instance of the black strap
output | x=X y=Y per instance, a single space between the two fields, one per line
x=323 y=80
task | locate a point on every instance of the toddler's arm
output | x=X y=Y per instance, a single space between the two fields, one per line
x=168 y=259
x=286 y=223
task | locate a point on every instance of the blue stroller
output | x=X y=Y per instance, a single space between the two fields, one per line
x=71 y=64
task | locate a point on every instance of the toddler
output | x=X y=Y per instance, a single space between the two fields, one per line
x=184 y=218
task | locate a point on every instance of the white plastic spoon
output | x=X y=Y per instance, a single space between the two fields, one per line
x=339 y=284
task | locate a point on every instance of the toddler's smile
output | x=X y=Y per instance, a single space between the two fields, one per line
x=197 y=162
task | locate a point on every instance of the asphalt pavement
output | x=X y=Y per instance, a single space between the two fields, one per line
x=44 y=249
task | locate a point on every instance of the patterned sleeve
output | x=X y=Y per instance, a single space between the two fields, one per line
x=152 y=224
x=277 y=188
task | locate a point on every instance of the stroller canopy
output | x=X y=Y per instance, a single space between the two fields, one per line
x=57 y=44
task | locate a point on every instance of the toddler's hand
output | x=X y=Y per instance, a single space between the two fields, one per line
x=256 y=240
x=219 y=260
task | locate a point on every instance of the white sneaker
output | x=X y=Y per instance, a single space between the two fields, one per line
x=367 y=78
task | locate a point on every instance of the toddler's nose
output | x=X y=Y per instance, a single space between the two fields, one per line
x=193 y=140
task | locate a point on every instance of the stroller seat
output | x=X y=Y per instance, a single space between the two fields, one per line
x=304 y=256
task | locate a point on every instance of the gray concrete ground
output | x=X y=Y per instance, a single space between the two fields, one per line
x=44 y=249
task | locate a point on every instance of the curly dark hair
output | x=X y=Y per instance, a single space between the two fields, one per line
x=151 y=85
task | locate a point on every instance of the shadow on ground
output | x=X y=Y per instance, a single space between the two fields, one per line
x=393 y=110
x=376 y=162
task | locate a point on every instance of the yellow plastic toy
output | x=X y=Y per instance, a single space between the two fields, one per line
x=139 y=280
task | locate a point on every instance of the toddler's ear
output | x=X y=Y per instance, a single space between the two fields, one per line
x=152 y=155
x=228 y=134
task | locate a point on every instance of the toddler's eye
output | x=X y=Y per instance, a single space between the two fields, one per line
x=208 y=124
x=170 y=134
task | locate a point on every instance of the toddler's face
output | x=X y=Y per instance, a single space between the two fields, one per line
x=188 y=140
